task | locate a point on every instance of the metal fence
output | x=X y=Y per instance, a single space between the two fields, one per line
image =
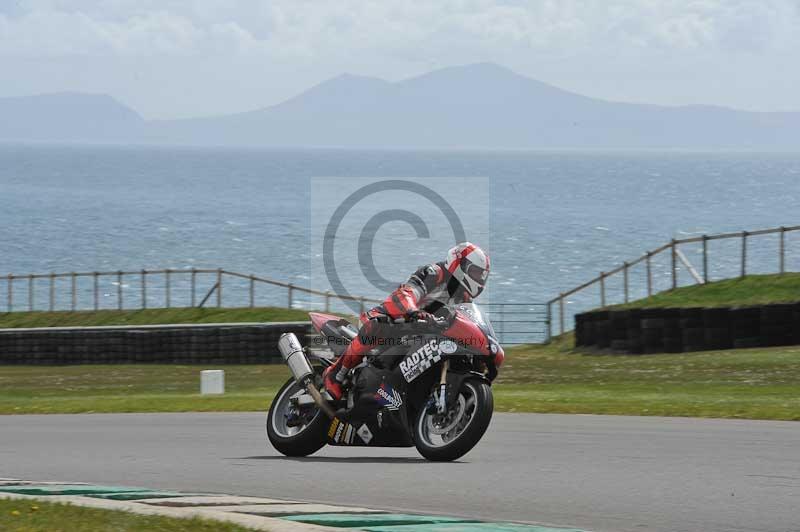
x=173 y=288
x=520 y=323
x=167 y=288
x=678 y=261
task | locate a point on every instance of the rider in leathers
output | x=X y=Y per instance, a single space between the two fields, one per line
x=458 y=279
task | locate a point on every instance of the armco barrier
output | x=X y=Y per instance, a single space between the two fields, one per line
x=229 y=343
x=676 y=330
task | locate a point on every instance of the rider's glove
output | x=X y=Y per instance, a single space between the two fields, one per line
x=421 y=315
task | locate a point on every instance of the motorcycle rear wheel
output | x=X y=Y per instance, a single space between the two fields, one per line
x=295 y=441
x=449 y=437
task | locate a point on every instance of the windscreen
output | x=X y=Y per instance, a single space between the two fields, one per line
x=474 y=313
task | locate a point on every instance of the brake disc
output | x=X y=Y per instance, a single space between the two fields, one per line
x=442 y=424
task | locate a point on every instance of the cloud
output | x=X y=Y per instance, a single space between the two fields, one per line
x=190 y=57
x=60 y=33
x=313 y=29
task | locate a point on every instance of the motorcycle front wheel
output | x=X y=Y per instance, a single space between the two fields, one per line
x=449 y=436
x=309 y=432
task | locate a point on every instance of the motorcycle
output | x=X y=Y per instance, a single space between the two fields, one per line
x=426 y=385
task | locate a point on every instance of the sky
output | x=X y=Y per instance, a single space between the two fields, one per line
x=183 y=58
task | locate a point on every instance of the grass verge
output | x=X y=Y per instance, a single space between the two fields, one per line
x=149 y=317
x=30 y=515
x=747 y=383
x=759 y=383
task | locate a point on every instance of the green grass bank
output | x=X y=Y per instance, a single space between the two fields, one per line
x=95 y=318
x=750 y=290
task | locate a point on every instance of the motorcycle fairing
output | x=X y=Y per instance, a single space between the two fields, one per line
x=465 y=331
x=338 y=332
x=379 y=415
x=429 y=353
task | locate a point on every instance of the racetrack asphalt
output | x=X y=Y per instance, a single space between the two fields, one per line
x=601 y=473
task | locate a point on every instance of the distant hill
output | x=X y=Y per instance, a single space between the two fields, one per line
x=474 y=106
x=68 y=116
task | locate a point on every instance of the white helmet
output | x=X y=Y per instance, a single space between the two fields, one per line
x=469 y=264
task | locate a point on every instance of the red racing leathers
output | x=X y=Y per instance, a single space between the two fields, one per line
x=428 y=289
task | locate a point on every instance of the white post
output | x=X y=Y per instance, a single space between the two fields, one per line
x=212 y=382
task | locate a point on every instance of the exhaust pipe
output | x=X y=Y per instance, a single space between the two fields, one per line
x=303 y=373
x=292 y=353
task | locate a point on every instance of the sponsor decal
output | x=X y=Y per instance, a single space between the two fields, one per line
x=364 y=433
x=341 y=432
x=332 y=430
x=423 y=358
x=388 y=397
x=448 y=347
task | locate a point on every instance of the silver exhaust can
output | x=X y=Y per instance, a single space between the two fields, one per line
x=292 y=353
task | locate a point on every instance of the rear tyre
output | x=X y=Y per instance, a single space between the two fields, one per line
x=442 y=438
x=301 y=440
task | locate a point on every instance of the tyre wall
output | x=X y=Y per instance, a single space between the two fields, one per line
x=167 y=344
x=677 y=330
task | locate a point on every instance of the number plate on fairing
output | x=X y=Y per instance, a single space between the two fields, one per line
x=416 y=363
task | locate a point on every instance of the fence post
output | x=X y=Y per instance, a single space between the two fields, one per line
x=219 y=287
x=96 y=289
x=52 y=295
x=290 y=294
x=502 y=321
x=144 y=289
x=327 y=300
x=782 y=251
x=30 y=292
x=10 y=292
x=561 y=313
x=744 y=253
x=252 y=291
x=549 y=325
x=602 y=289
x=705 y=258
x=167 y=280
x=649 y=275
x=194 y=286
x=674 y=265
x=625 y=275
x=74 y=291
x=119 y=290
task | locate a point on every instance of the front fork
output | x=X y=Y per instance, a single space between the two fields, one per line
x=441 y=402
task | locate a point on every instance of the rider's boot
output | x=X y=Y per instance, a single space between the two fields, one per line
x=336 y=374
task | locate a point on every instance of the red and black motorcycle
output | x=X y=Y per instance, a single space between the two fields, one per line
x=426 y=385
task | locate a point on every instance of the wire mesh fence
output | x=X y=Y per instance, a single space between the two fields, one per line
x=519 y=323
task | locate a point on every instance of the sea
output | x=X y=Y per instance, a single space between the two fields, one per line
x=550 y=220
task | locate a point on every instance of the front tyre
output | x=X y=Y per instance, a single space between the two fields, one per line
x=306 y=435
x=449 y=436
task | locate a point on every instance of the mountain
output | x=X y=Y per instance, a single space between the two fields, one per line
x=475 y=106
x=68 y=116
